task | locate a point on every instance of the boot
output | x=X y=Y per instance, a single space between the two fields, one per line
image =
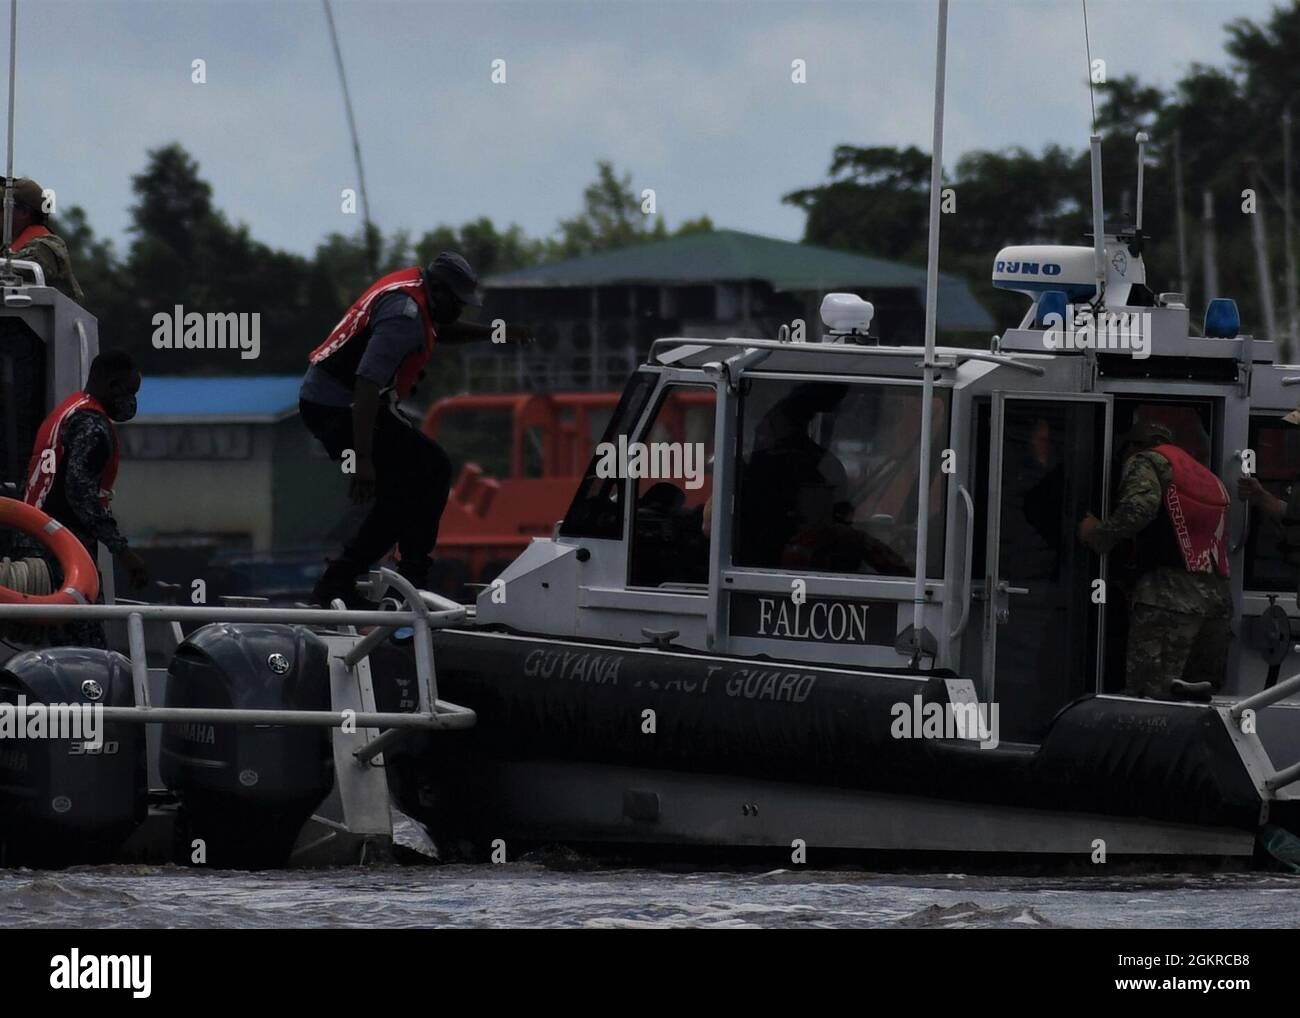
x=339 y=581
x=1198 y=692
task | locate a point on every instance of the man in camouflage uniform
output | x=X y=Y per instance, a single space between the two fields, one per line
x=1179 y=617
x=33 y=241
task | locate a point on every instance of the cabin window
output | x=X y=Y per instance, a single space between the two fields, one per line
x=1271 y=555
x=597 y=508
x=674 y=505
x=828 y=474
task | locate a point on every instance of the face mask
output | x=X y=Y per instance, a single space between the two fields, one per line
x=122 y=408
x=446 y=311
x=443 y=307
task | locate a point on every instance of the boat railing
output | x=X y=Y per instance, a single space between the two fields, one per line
x=14 y=284
x=948 y=357
x=423 y=612
x=1244 y=709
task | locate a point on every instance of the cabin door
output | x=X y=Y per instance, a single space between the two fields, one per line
x=1048 y=468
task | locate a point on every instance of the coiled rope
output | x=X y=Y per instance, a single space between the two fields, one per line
x=26 y=575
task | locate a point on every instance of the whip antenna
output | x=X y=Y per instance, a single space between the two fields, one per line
x=356 y=143
x=1087 y=47
x=9 y=169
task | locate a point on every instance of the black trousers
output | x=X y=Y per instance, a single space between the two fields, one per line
x=412 y=479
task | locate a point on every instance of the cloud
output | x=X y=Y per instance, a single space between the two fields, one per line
x=694 y=99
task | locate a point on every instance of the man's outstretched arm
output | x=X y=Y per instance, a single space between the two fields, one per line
x=470 y=332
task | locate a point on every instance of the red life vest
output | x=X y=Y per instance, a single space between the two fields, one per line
x=27 y=236
x=357 y=320
x=1196 y=503
x=50 y=436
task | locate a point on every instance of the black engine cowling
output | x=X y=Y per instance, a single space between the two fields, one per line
x=246 y=790
x=72 y=799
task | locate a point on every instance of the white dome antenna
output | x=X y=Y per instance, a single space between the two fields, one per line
x=847 y=314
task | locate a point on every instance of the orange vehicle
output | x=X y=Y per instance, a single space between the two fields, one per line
x=521 y=455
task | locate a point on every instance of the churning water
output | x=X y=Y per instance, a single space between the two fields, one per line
x=582 y=895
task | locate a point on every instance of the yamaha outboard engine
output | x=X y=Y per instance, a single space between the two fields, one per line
x=72 y=787
x=245 y=790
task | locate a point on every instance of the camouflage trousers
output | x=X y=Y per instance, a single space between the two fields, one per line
x=1166 y=645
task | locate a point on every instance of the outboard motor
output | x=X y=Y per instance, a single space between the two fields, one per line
x=71 y=790
x=245 y=790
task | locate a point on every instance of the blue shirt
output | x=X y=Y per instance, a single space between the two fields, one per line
x=395 y=333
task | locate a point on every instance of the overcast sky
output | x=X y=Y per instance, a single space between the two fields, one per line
x=693 y=98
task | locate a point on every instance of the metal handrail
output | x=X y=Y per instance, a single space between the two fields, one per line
x=1266 y=696
x=222 y=613
x=83 y=352
x=1278 y=779
x=1006 y=360
x=969 y=562
x=448 y=716
x=38 y=273
x=425 y=612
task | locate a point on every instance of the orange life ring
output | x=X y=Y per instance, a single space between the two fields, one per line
x=80 y=577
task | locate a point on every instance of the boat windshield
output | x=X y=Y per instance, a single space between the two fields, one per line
x=828 y=477
x=597 y=509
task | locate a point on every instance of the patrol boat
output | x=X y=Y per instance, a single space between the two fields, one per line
x=772 y=679
x=866 y=626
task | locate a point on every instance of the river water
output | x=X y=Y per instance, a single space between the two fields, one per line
x=583 y=894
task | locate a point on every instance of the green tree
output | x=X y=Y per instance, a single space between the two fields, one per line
x=611 y=217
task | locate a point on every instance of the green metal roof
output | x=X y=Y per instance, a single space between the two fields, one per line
x=729 y=255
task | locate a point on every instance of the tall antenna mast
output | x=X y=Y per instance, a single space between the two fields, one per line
x=371 y=254
x=1098 y=205
x=931 y=318
x=9 y=169
x=1178 y=205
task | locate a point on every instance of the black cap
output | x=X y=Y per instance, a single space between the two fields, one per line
x=454 y=272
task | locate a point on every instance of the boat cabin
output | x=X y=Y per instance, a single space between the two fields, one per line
x=788 y=532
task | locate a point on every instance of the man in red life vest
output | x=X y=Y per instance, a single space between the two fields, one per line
x=73 y=466
x=1176 y=510
x=33 y=241
x=348 y=400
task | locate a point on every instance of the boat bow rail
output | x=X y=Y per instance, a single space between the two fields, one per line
x=1240 y=717
x=352 y=650
x=359 y=803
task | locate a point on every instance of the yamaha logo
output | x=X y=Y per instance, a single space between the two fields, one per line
x=278 y=663
x=1120 y=261
x=91 y=689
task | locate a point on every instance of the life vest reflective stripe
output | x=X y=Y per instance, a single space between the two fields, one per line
x=50 y=437
x=357 y=320
x=27 y=236
x=1197 y=506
